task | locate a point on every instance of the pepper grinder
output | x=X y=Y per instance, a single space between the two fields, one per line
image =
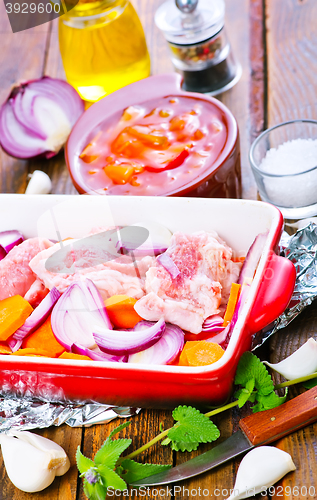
x=200 y=49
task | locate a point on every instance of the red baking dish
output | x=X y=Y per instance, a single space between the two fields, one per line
x=236 y=221
x=217 y=177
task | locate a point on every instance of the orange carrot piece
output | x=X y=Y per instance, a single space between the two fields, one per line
x=232 y=302
x=31 y=351
x=13 y=313
x=203 y=353
x=70 y=355
x=44 y=336
x=183 y=361
x=121 y=312
x=4 y=348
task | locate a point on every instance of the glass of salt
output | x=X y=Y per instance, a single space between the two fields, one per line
x=284 y=164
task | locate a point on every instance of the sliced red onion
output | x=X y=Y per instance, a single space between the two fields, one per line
x=122 y=342
x=75 y=316
x=244 y=293
x=157 y=240
x=220 y=337
x=252 y=258
x=96 y=354
x=164 y=351
x=35 y=320
x=213 y=324
x=38 y=116
x=8 y=240
x=168 y=264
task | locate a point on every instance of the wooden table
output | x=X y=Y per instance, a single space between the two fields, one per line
x=276 y=44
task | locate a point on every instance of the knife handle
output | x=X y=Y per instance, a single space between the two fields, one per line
x=270 y=425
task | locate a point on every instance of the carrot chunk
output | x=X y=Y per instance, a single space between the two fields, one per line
x=203 y=353
x=71 y=355
x=4 y=348
x=31 y=351
x=44 y=336
x=232 y=302
x=13 y=313
x=120 y=309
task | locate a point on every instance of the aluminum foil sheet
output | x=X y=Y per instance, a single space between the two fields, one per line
x=20 y=413
x=24 y=412
x=301 y=249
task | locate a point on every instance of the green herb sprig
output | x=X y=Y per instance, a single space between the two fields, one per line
x=110 y=470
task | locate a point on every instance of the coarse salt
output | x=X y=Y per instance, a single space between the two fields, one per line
x=291 y=157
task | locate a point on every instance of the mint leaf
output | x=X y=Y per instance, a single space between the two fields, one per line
x=83 y=463
x=309 y=384
x=269 y=401
x=118 y=429
x=250 y=367
x=132 y=471
x=110 y=479
x=94 y=491
x=111 y=451
x=191 y=429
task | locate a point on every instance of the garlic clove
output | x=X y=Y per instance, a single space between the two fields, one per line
x=40 y=183
x=31 y=461
x=259 y=469
x=299 y=364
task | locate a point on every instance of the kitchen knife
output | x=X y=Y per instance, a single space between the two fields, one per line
x=260 y=428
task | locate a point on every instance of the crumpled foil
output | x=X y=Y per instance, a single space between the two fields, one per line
x=301 y=249
x=26 y=412
x=20 y=413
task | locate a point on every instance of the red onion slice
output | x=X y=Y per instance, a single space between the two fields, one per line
x=168 y=264
x=38 y=116
x=165 y=350
x=122 y=342
x=36 y=318
x=76 y=314
x=97 y=355
x=8 y=240
x=213 y=324
x=252 y=258
x=220 y=337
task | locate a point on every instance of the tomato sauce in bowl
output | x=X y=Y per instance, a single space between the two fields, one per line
x=172 y=145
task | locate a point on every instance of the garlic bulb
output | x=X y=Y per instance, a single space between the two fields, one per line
x=299 y=364
x=32 y=461
x=259 y=469
x=40 y=183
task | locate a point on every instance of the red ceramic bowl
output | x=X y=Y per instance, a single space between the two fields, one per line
x=157 y=386
x=219 y=173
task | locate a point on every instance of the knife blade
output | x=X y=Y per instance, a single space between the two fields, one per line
x=261 y=428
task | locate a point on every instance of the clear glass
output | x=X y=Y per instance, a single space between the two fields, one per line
x=103 y=47
x=287 y=180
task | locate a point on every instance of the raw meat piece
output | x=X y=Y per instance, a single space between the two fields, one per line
x=36 y=293
x=206 y=274
x=16 y=276
x=116 y=276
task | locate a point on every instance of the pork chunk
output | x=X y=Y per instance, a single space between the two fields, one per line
x=206 y=274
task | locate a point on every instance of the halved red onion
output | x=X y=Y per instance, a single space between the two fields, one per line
x=34 y=321
x=96 y=354
x=165 y=260
x=252 y=258
x=122 y=342
x=213 y=324
x=38 y=116
x=8 y=240
x=75 y=316
x=164 y=351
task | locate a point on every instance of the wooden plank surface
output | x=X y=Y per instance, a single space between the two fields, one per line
x=279 y=62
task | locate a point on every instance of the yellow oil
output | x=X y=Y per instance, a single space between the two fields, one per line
x=103 y=47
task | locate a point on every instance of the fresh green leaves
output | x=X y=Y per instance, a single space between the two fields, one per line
x=257 y=384
x=132 y=471
x=105 y=472
x=191 y=429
